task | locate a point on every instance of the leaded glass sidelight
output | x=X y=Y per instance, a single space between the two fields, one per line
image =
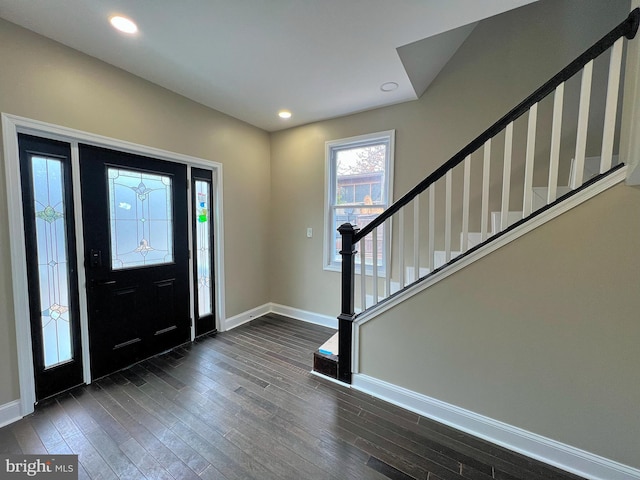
x=52 y=259
x=140 y=218
x=203 y=247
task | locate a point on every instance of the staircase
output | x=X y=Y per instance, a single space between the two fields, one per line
x=527 y=168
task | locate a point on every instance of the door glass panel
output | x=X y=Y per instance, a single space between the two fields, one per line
x=53 y=272
x=140 y=219
x=203 y=247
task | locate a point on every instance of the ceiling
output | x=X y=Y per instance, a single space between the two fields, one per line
x=251 y=58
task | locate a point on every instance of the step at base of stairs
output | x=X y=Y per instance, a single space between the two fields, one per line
x=325 y=364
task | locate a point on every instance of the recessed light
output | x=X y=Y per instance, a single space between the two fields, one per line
x=388 y=86
x=284 y=114
x=123 y=24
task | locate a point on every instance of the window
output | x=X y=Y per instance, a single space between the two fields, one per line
x=359 y=174
x=51 y=257
x=203 y=248
x=139 y=219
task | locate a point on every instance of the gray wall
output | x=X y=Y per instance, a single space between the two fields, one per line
x=46 y=81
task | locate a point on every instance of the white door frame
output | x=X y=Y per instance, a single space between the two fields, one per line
x=13 y=125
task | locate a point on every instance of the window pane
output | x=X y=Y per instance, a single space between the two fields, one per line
x=358 y=192
x=50 y=211
x=363 y=194
x=359 y=217
x=345 y=194
x=357 y=170
x=376 y=192
x=361 y=160
x=203 y=256
x=140 y=219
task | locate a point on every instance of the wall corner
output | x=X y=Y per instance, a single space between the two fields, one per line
x=630 y=128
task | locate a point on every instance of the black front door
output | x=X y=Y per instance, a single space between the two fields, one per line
x=47 y=198
x=135 y=223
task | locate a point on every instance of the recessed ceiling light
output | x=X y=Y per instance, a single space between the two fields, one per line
x=388 y=86
x=123 y=24
x=284 y=114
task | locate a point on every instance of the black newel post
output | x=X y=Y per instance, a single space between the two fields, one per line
x=345 y=319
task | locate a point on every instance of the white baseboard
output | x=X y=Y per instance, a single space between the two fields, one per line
x=329 y=379
x=530 y=444
x=9 y=413
x=245 y=317
x=305 y=316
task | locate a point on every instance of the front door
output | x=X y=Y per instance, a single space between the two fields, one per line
x=135 y=222
x=47 y=198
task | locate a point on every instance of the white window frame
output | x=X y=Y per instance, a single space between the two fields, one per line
x=332 y=146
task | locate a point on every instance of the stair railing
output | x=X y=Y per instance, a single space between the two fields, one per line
x=375 y=290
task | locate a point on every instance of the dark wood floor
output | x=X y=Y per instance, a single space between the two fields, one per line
x=243 y=405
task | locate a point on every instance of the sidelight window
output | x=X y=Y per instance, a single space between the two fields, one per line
x=52 y=262
x=203 y=247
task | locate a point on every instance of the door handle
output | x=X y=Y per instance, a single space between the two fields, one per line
x=97 y=283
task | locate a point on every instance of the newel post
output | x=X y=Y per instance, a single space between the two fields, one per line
x=347 y=312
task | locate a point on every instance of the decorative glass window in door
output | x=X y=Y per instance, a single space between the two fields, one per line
x=52 y=261
x=203 y=247
x=140 y=218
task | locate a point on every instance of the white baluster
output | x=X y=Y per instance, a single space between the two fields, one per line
x=486 y=165
x=387 y=246
x=527 y=203
x=374 y=271
x=416 y=237
x=613 y=86
x=432 y=225
x=556 y=131
x=465 y=204
x=401 y=247
x=577 y=170
x=363 y=274
x=447 y=217
x=506 y=176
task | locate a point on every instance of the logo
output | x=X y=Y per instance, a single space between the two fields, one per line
x=51 y=467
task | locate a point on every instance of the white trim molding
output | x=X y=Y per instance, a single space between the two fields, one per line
x=629 y=138
x=9 y=413
x=329 y=379
x=527 y=443
x=18 y=265
x=305 y=316
x=298 y=314
x=244 y=317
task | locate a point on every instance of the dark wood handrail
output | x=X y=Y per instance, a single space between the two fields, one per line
x=627 y=28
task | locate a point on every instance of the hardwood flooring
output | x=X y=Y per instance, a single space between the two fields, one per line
x=242 y=405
